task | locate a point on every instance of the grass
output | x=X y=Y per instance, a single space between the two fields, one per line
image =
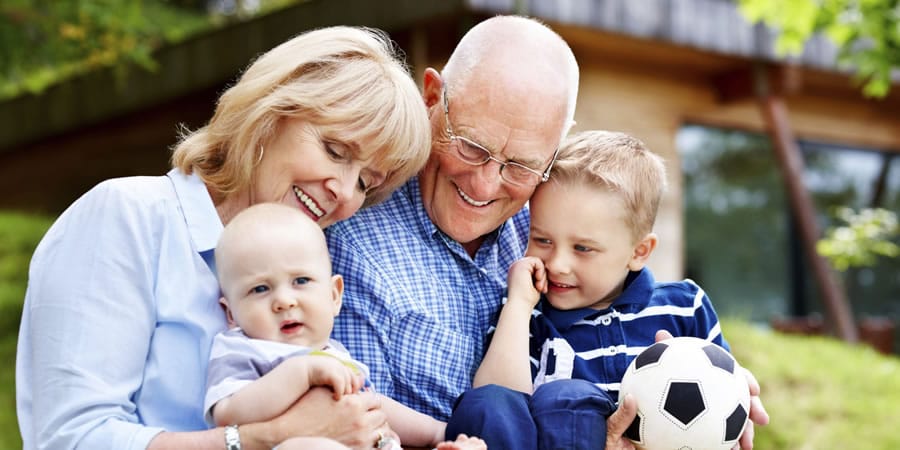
x=9 y=426
x=19 y=235
x=820 y=393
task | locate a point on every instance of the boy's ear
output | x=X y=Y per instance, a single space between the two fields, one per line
x=432 y=83
x=642 y=251
x=337 y=292
x=228 y=317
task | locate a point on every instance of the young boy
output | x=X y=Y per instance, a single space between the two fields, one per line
x=279 y=293
x=590 y=238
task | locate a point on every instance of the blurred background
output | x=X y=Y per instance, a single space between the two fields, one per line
x=779 y=121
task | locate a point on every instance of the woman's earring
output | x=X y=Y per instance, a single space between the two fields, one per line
x=262 y=151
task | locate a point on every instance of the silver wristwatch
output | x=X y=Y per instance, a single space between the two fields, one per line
x=232 y=438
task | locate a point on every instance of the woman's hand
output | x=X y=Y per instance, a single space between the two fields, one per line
x=306 y=443
x=356 y=421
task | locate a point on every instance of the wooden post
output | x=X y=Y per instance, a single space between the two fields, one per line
x=791 y=163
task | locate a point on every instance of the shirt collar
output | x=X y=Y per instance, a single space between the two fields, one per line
x=414 y=192
x=562 y=319
x=203 y=222
x=637 y=290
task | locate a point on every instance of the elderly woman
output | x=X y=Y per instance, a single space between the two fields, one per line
x=122 y=300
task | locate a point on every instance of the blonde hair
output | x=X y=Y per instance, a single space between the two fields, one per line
x=619 y=163
x=347 y=81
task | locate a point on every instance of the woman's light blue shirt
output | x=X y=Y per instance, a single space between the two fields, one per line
x=119 y=316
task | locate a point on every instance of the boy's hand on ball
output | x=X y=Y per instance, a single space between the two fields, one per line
x=662 y=335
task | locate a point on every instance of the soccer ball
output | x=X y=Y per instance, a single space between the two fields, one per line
x=690 y=394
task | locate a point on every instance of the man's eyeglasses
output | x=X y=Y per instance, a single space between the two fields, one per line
x=475 y=154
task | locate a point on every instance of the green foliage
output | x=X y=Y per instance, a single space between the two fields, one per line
x=866 y=32
x=865 y=237
x=19 y=235
x=47 y=41
x=9 y=427
x=820 y=393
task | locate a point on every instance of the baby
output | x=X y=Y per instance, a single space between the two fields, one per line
x=281 y=299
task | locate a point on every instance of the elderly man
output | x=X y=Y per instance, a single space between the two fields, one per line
x=425 y=271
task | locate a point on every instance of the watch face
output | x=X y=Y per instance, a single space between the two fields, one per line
x=232 y=438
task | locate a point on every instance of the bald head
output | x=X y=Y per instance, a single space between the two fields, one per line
x=515 y=52
x=262 y=223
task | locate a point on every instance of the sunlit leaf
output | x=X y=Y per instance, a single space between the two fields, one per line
x=866 y=32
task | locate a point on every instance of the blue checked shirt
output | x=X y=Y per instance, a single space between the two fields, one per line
x=417 y=308
x=598 y=345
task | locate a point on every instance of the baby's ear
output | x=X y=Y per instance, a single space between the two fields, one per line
x=337 y=292
x=642 y=251
x=223 y=302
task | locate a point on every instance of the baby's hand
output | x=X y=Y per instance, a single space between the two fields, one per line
x=463 y=442
x=326 y=370
x=527 y=280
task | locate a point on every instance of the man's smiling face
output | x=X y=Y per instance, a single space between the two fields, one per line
x=468 y=201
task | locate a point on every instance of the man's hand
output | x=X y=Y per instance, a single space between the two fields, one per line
x=618 y=422
x=758 y=414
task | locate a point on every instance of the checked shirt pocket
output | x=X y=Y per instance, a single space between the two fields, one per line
x=434 y=359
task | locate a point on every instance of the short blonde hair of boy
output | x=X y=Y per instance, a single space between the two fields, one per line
x=348 y=81
x=619 y=163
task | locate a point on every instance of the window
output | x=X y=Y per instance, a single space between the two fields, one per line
x=742 y=245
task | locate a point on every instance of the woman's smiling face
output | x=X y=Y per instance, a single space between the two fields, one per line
x=306 y=169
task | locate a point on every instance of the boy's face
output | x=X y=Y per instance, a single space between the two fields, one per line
x=277 y=286
x=579 y=231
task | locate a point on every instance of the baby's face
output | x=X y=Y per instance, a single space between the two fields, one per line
x=279 y=287
x=579 y=231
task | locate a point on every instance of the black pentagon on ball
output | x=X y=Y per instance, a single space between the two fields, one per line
x=684 y=401
x=634 y=430
x=719 y=357
x=734 y=424
x=650 y=355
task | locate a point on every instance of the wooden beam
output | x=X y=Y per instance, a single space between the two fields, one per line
x=790 y=161
x=749 y=82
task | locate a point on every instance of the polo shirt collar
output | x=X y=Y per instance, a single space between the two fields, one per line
x=638 y=289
